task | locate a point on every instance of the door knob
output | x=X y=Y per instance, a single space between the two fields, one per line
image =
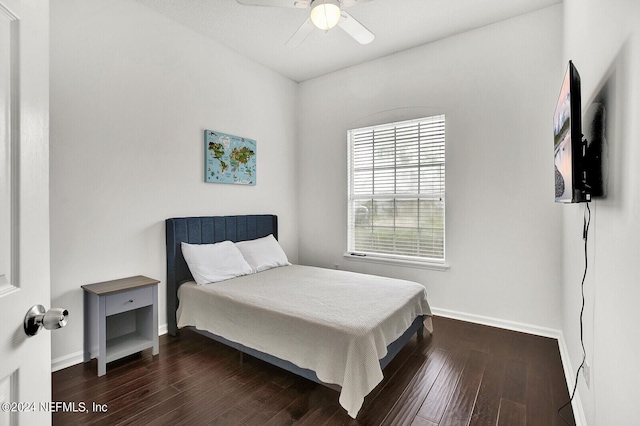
x=37 y=318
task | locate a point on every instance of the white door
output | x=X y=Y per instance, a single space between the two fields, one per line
x=25 y=362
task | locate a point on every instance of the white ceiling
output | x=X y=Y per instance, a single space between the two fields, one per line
x=260 y=33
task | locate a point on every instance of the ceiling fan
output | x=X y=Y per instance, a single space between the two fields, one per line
x=325 y=14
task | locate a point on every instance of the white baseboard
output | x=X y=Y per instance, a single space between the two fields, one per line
x=66 y=361
x=497 y=322
x=78 y=357
x=163 y=329
x=569 y=373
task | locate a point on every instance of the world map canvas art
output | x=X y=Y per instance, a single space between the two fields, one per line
x=229 y=159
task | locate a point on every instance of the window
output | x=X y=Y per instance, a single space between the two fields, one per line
x=396 y=190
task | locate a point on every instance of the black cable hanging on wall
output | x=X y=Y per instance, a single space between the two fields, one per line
x=585 y=237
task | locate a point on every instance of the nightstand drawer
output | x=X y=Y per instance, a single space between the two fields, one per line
x=128 y=300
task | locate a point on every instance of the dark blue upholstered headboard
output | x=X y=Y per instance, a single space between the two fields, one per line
x=206 y=230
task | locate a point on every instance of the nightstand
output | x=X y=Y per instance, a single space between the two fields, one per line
x=120 y=319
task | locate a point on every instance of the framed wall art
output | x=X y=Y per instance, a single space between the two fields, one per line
x=229 y=159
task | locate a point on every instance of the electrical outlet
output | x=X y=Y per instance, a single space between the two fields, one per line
x=586 y=373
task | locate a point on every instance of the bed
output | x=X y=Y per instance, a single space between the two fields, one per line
x=305 y=328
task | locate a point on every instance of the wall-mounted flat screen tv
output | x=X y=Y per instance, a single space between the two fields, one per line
x=569 y=148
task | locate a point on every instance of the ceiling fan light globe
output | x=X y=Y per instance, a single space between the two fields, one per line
x=325 y=14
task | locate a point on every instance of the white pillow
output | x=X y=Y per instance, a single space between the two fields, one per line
x=210 y=263
x=263 y=253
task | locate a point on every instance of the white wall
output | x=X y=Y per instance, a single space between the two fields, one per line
x=497 y=86
x=602 y=37
x=131 y=94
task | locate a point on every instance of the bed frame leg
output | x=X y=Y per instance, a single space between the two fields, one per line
x=420 y=333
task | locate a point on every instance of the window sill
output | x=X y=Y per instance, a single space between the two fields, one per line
x=436 y=266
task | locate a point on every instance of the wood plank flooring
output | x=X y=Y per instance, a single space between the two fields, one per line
x=464 y=374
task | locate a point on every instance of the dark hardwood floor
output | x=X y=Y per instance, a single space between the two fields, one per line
x=464 y=374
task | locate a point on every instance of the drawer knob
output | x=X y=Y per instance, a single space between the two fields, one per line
x=130 y=300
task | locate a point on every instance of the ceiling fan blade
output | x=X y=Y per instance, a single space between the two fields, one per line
x=301 y=34
x=355 y=29
x=349 y=3
x=301 y=4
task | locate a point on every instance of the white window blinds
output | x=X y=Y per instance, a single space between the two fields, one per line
x=396 y=190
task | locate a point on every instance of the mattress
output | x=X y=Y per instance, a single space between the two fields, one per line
x=336 y=323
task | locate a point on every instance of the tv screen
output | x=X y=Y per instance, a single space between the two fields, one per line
x=570 y=175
